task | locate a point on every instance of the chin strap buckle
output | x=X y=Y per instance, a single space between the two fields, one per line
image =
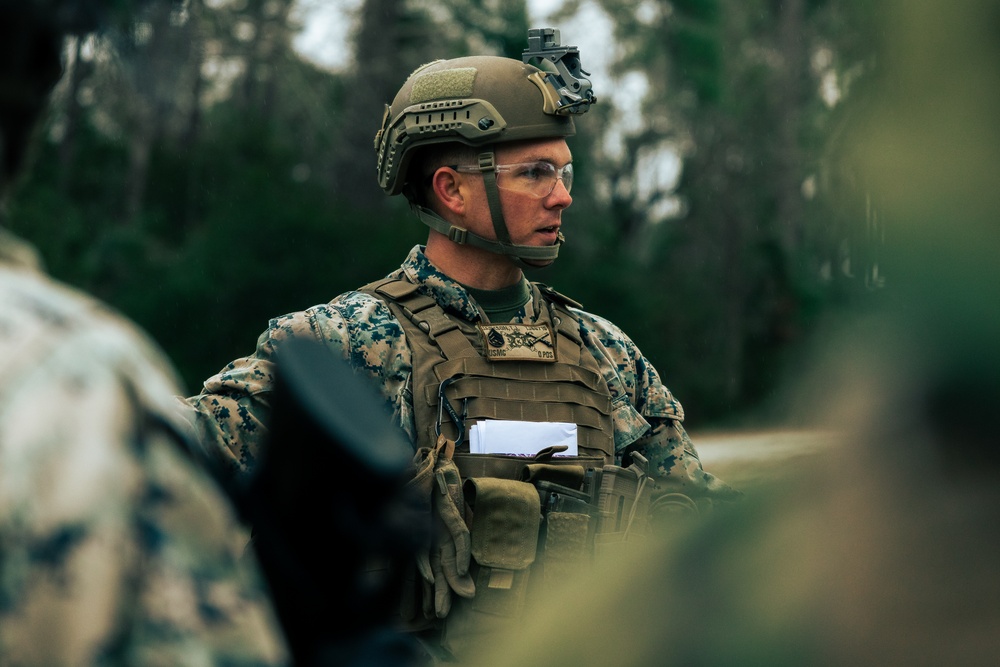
x=457 y=234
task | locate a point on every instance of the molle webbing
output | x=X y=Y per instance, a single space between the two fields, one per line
x=570 y=390
x=528 y=392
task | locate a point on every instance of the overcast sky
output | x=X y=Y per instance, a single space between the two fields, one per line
x=324 y=37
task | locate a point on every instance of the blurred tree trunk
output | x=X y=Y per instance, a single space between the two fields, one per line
x=164 y=75
x=73 y=113
x=269 y=42
x=190 y=133
x=787 y=82
x=380 y=68
x=148 y=69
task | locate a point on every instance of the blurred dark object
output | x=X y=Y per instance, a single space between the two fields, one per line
x=332 y=524
x=31 y=40
x=30 y=66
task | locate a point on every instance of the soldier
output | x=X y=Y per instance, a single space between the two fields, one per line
x=115 y=547
x=458 y=339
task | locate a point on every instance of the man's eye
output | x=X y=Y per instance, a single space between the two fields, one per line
x=536 y=171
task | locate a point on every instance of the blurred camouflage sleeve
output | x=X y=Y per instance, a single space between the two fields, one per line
x=674 y=460
x=231 y=412
x=648 y=419
x=114 y=547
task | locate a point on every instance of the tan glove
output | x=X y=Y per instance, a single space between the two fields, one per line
x=444 y=565
x=455 y=542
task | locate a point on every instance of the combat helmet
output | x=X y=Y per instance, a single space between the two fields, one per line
x=481 y=101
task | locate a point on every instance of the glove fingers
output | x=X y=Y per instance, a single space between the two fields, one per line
x=458 y=541
x=449 y=504
x=428 y=600
x=460 y=581
x=424 y=566
x=442 y=592
x=451 y=516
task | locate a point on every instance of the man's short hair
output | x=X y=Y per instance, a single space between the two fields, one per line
x=431 y=158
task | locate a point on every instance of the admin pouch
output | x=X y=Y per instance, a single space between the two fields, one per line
x=524 y=469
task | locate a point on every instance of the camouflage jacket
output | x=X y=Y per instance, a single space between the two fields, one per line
x=232 y=409
x=115 y=548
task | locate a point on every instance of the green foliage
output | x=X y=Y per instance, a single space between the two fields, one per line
x=696 y=57
x=705 y=10
x=262 y=243
x=265 y=202
x=772 y=238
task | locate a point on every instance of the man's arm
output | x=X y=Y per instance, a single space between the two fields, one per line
x=648 y=418
x=231 y=413
x=674 y=461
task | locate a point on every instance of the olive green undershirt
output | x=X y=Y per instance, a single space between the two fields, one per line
x=501 y=305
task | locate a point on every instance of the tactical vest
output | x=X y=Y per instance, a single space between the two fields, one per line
x=531 y=519
x=451 y=352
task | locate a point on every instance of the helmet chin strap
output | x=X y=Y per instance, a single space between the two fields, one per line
x=521 y=255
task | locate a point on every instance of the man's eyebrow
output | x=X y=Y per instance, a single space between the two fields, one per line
x=540 y=158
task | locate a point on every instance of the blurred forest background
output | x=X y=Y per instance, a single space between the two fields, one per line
x=202 y=176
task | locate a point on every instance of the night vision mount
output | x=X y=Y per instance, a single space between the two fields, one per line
x=574 y=91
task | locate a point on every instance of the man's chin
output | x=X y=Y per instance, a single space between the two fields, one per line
x=538 y=263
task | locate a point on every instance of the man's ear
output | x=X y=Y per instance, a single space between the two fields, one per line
x=450 y=189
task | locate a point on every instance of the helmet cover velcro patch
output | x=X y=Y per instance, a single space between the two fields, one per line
x=447 y=83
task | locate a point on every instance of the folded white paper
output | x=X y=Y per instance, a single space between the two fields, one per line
x=494 y=436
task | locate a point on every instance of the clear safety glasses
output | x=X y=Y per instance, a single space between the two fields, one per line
x=535 y=179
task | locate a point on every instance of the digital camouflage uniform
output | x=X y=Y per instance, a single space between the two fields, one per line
x=114 y=547
x=232 y=408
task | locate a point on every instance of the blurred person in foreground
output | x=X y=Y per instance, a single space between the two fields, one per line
x=884 y=549
x=458 y=339
x=115 y=547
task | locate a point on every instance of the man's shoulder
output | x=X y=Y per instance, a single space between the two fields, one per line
x=352 y=305
x=349 y=320
x=590 y=323
x=357 y=306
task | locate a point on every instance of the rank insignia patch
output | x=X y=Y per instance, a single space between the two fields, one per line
x=518 y=342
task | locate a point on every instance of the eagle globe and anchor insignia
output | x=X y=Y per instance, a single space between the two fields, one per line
x=518 y=342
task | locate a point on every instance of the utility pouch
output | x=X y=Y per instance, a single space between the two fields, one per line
x=505 y=520
x=622 y=503
x=566 y=533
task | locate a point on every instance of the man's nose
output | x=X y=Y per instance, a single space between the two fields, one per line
x=560 y=194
